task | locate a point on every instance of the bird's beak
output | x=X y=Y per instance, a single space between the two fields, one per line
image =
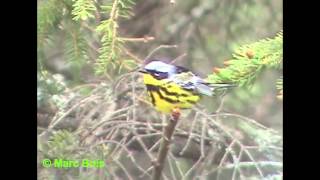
x=142 y=71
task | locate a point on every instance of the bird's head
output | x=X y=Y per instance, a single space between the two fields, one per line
x=159 y=69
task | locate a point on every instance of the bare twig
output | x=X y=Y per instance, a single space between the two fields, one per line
x=144 y=39
x=194 y=166
x=251 y=121
x=253 y=164
x=123 y=169
x=190 y=134
x=254 y=161
x=155 y=145
x=54 y=122
x=178 y=58
x=236 y=168
x=133 y=56
x=203 y=131
x=228 y=150
x=171 y=168
x=176 y=161
x=133 y=160
x=158 y=48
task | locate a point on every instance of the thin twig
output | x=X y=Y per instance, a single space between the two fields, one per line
x=158 y=48
x=253 y=160
x=126 y=149
x=202 y=153
x=203 y=131
x=178 y=58
x=132 y=55
x=176 y=161
x=144 y=147
x=134 y=102
x=123 y=169
x=171 y=168
x=238 y=159
x=144 y=39
x=116 y=152
x=104 y=120
x=155 y=145
x=252 y=121
x=57 y=121
x=190 y=134
x=253 y=164
x=224 y=157
x=193 y=167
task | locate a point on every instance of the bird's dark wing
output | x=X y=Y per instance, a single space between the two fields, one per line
x=189 y=81
x=180 y=69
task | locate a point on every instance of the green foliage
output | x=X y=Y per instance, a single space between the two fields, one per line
x=61 y=18
x=62 y=144
x=125 y=8
x=49 y=87
x=76 y=49
x=85 y=91
x=55 y=21
x=249 y=60
x=110 y=50
x=65 y=145
x=49 y=15
x=83 y=9
x=112 y=46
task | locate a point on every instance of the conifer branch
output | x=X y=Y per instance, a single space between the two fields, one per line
x=112 y=43
x=76 y=47
x=83 y=9
x=49 y=14
x=249 y=60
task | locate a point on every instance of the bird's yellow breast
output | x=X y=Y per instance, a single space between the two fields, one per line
x=166 y=95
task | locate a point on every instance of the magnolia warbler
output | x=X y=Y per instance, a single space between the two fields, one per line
x=171 y=87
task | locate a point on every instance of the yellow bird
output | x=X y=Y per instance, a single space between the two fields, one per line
x=174 y=87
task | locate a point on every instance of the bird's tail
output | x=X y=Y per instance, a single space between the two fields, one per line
x=210 y=88
x=221 y=86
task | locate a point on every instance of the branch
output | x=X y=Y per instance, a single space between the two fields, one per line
x=249 y=60
x=158 y=48
x=164 y=147
x=143 y=39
